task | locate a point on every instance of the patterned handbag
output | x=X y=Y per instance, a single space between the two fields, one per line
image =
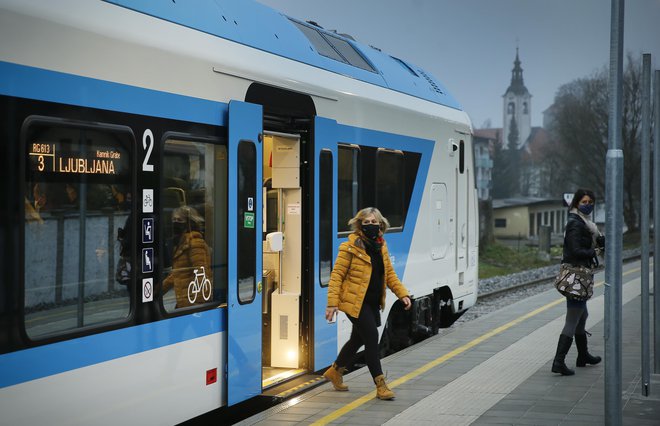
x=575 y=282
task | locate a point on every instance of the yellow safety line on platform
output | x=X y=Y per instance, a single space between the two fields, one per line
x=423 y=369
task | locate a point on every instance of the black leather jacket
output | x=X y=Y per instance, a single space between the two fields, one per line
x=578 y=243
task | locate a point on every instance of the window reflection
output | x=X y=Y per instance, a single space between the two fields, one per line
x=73 y=219
x=194 y=227
x=390 y=185
x=245 y=232
x=347 y=200
x=325 y=217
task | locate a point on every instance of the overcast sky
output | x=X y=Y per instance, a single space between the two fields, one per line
x=470 y=45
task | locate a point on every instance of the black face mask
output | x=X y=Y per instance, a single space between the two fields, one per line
x=371 y=231
x=178 y=228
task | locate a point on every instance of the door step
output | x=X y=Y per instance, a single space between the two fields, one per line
x=295 y=386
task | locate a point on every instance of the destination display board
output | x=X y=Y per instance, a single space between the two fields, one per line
x=46 y=157
x=65 y=152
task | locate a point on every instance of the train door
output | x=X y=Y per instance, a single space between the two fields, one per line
x=244 y=254
x=440 y=232
x=325 y=232
x=461 y=206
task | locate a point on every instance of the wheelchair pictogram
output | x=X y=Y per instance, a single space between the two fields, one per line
x=199 y=283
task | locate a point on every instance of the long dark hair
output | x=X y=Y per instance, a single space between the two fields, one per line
x=579 y=194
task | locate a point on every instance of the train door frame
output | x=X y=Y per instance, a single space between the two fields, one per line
x=325 y=336
x=284 y=334
x=461 y=202
x=290 y=112
x=244 y=314
x=318 y=186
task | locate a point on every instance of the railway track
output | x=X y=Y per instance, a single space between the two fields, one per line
x=537 y=281
x=514 y=287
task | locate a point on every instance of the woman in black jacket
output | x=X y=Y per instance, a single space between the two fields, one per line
x=583 y=243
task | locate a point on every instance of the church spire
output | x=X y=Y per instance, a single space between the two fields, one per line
x=517 y=85
x=516 y=117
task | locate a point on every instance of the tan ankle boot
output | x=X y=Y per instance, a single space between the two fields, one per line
x=336 y=376
x=382 y=391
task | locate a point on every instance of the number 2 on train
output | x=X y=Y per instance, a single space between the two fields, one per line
x=148 y=144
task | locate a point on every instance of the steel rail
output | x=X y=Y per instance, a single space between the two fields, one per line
x=548 y=278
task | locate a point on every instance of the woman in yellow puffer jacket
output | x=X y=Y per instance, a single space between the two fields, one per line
x=190 y=254
x=362 y=271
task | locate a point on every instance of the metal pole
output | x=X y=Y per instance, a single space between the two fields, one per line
x=656 y=225
x=614 y=225
x=645 y=199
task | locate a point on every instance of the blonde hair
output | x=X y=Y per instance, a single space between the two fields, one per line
x=356 y=222
x=190 y=216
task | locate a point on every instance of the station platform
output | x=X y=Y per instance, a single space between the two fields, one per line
x=492 y=370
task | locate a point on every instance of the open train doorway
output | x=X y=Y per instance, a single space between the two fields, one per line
x=299 y=172
x=283 y=354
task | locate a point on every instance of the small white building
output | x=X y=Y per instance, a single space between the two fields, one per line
x=522 y=217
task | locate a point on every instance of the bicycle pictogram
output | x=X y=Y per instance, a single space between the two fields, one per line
x=199 y=283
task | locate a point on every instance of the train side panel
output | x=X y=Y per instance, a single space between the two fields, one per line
x=168 y=88
x=164 y=385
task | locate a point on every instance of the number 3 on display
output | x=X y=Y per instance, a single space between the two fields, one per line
x=148 y=144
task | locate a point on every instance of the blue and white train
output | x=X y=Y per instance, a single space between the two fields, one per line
x=274 y=132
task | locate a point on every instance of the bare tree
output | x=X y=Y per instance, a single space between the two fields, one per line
x=580 y=130
x=631 y=129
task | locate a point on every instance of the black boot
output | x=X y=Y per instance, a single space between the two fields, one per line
x=558 y=365
x=584 y=357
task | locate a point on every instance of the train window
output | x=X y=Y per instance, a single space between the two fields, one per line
x=245 y=227
x=333 y=47
x=78 y=182
x=320 y=44
x=193 y=197
x=325 y=217
x=390 y=185
x=461 y=156
x=348 y=185
x=348 y=52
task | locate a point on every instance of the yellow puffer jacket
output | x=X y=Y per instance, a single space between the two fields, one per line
x=349 y=279
x=191 y=253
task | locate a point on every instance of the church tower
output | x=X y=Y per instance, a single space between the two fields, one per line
x=517 y=109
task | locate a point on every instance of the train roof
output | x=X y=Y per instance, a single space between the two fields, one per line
x=256 y=25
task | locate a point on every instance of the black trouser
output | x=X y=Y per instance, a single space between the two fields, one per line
x=576 y=317
x=365 y=332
